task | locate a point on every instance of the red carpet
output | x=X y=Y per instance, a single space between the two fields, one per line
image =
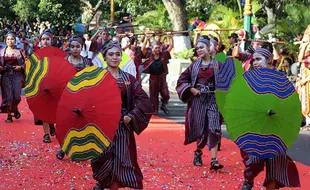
x=27 y=163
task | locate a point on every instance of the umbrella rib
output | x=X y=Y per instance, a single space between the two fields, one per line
x=234 y=109
x=244 y=123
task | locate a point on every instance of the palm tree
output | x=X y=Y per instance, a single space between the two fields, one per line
x=156 y=19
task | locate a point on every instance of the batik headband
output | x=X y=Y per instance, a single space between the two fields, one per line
x=47 y=33
x=155 y=43
x=214 y=42
x=251 y=49
x=76 y=39
x=11 y=34
x=204 y=40
x=110 y=45
x=264 y=52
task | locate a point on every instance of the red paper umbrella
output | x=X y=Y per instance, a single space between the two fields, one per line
x=45 y=82
x=50 y=51
x=88 y=113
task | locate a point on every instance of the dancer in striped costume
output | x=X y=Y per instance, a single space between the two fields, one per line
x=281 y=171
x=156 y=66
x=75 y=58
x=78 y=62
x=46 y=41
x=99 y=39
x=196 y=86
x=119 y=166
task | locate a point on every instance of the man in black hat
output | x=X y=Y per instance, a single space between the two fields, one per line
x=233 y=39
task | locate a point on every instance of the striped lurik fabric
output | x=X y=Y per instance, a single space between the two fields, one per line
x=122 y=165
x=203 y=120
x=281 y=169
x=202 y=117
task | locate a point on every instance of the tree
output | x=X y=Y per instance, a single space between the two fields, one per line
x=158 y=18
x=26 y=10
x=60 y=12
x=6 y=9
x=90 y=9
x=177 y=14
x=138 y=7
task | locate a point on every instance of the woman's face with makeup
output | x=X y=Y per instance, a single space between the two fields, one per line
x=113 y=57
x=259 y=61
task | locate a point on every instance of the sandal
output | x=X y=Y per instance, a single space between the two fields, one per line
x=198 y=158
x=47 y=138
x=52 y=130
x=9 y=119
x=215 y=165
x=60 y=155
x=17 y=115
x=247 y=185
x=97 y=187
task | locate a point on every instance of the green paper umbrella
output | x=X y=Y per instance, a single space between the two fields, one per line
x=262 y=112
x=226 y=76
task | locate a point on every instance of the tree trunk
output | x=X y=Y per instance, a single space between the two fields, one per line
x=271 y=16
x=177 y=14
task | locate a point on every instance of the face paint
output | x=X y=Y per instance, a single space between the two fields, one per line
x=212 y=49
x=259 y=61
x=113 y=57
x=202 y=50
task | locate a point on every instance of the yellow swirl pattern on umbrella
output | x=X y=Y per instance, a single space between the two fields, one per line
x=88 y=77
x=35 y=73
x=89 y=142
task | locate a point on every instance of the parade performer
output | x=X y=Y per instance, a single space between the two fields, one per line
x=131 y=48
x=75 y=58
x=46 y=41
x=136 y=113
x=78 y=62
x=156 y=66
x=303 y=84
x=281 y=171
x=12 y=65
x=196 y=87
x=99 y=39
x=215 y=43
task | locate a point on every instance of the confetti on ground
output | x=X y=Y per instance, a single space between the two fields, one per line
x=27 y=163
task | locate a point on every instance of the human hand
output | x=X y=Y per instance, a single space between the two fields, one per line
x=17 y=68
x=195 y=92
x=1 y=68
x=126 y=119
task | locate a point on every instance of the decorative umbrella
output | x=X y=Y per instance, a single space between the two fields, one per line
x=49 y=51
x=45 y=82
x=126 y=64
x=226 y=76
x=262 y=112
x=88 y=114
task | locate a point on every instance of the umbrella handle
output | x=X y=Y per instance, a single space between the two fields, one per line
x=77 y=111
x=271 y=112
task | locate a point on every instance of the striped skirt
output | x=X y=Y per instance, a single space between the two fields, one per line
x=203 y=122
x=281 y=169
x=119 y=164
